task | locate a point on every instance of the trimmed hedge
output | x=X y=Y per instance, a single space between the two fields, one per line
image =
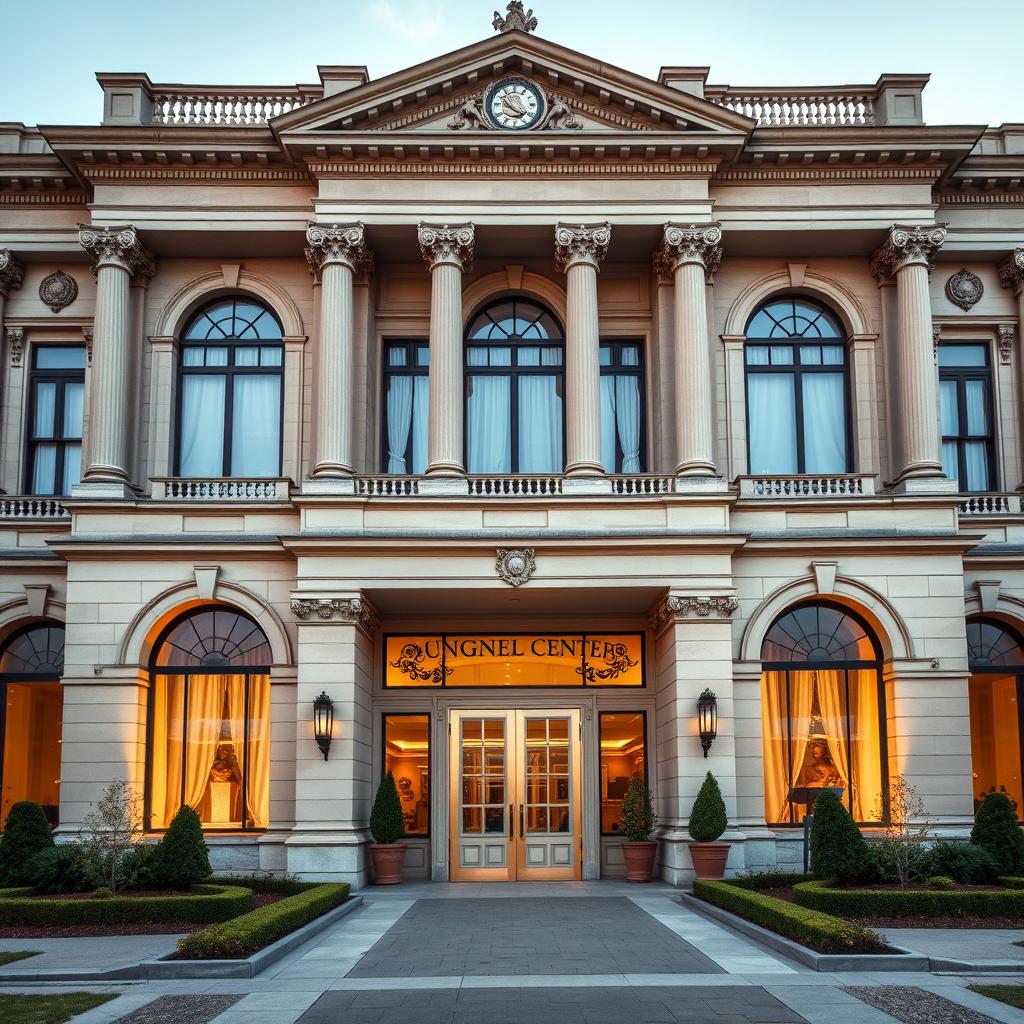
x=251 y=932
x=770 y=880
x=817 y=931
x=285 y=885
x=1010 y=882
x=866 y=902
x=207 y=904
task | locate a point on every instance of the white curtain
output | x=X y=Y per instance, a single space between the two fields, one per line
x=608 y=430
x=44 y=466
x=74 y=397
x=256 y=426
x=489 y=425
x=72 y=467
x=399 y=421
x=540 y=425
x=977 y=426
x=620 y=418
x=772 y=423
x=202 y=426
x=824 y=423
x=420 y=396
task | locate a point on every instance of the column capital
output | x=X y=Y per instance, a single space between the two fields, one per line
x=581 y=243
x=907 y=245
x=1011 y=271
x=117 y=247
x=689 y=244
x=341 y=244
x=12 y=273
x=679 y=607
x=447 y=243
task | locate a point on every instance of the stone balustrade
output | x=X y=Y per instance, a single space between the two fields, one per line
x=990 y=505
x=781 y=107
x=846 y=485
x=34 y=509
x=220 y=489
x=241 y=106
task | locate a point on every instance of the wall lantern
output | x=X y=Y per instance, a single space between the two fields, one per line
x=707 y=719
x=323 y=722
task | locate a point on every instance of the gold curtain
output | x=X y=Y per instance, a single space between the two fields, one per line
x=831 y=697
x=165 y=774
x=773 y=740
x=205 y=708
x=866 y=744
x=801 y=700
x=236 y=731
x=257 y=755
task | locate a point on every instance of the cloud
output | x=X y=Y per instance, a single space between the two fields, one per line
x=419 y=20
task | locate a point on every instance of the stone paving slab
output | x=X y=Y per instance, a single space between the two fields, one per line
x=98 y=951
x=976 y=944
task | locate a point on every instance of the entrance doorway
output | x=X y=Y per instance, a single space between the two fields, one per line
x=515 y=795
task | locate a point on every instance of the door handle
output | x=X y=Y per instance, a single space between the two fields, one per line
x=511 y=824
x=522 y=827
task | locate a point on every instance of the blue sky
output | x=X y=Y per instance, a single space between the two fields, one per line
x=974 y=52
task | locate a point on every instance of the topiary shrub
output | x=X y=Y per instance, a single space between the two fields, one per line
x=708 y=819
x=996 y=829
x=637 y=813
x=26 y=832
x=180 y=859
x=838 y=850
x=963 y=862
x=63 y=868
x=386 y=823
x=940 y=882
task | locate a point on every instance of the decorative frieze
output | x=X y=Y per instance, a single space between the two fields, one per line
x=1011 y=271
x=515 y=565
x=582 y=243
x=12 y=273
x=907 y=245
x=447 y=243
x=346 y=609
x=681 y=244
x=117 y=247
x=15 y=344
x=676 y=606
x=343 y=244
x=1006 y=333
x=58 y=290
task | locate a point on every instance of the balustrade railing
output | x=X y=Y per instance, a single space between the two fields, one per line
x=245 y=106
x=514 y=486
x=640 y=485
x=990 y=504
x=773 y=108
x=388 y=486
x=220 y=489
x=32 y=509
x=840 y=486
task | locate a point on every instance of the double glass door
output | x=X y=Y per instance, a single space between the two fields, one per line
x=515 y=795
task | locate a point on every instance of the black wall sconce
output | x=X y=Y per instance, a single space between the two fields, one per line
x=323 y=722
x=707 y=719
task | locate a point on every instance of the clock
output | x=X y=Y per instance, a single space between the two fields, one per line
x=515 y=103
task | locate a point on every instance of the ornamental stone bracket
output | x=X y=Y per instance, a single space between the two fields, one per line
x=117 y=247
x=447 y=243
x=682 y=607
x=694 y=244
x=581 y=243
x=15 y=344
x=12 y=273
x=1011 y=271
x=356 y=610
x=343 y=244
x=907 y=244
x=1006 y=333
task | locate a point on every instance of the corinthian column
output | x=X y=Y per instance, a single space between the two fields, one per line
x=1011 y=275
x=579 y=250
x=907 y=256
x=118 y=257
x=448 y=251
x=692 y=254
x=335 y=254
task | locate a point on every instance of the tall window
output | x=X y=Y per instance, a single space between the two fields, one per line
x=622 y=388
x=209 y=721
x=514 y=416
x=407 y=757
x=996 y=696
x=822 y=714
x=31 y=713
x=797 y=389
x=965 y=406
x=57 y=392
x=406 y=369
x=623 y=740
x=230 y=392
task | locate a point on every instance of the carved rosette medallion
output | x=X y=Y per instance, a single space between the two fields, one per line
x=517 y=19
x=581 y=243
x=906 y=246
x=117 y=247
x=15 y=344
x=1011 y=271
x=1006 y=333
x=58 y=290
x=343 y=244
x=964 y=289
x=12 y=273
x=347 y=609
x=515 y=565
x=681 y=244
x=447 y=243
x=675 y=607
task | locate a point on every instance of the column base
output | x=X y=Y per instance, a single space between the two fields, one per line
x=329 y=485
x=699 y=485
x=106 y=490
x=584 y=469
x=586 y=485
x=925 y=485
x=441 y=486
x=445 y=469
x=329 y=855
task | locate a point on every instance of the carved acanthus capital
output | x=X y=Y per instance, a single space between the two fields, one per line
x=1011 y=271
x=447 y=243
x=12 y=273
x=341 y=244
x=681 y=244
x=347 y=609
x=581 y=243
x=117 y=247
x=15 y=344
x=906 y=246
x=676 y=606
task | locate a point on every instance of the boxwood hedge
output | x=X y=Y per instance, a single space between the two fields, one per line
x=867 y=902
x=284 y=885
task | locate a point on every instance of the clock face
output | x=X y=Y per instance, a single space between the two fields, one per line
x=515 y=104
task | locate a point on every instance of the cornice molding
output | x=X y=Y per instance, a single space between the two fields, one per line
x=581 y=243
x=159 y=172
x=1011 y=271
x=356 y=610
x=701 y=244
x=907 y=245
x=12 y=273
x=340 y=245
x=447 y=243
x=773 y=175
x=541 y=167
x=993 y=198
x=117 y=247
x=676 y=608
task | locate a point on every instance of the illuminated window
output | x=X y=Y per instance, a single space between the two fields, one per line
x=407 y=757
x=623 y=755
x=210 y=722
x=31 y=664
x=822 y=714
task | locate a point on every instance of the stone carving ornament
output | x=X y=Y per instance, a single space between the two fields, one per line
x=12 y=273
x=349 y=609
x=557 y=115
x=58 y=290
x=16 y=344
x=471 y=115
x=964 y=289
x=907 y=245
x=516 y=565
x=117 y=247
x=344 y=244
x=1006 y=333
x=676 y=606
x=447 y=243
x=586 y=243
x=693 y=244
x=1011 y=270
x=517 y=20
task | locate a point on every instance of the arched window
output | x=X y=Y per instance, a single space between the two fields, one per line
x=229 y=392
x=797 y=388
x=822 y=714
x=514 y=375
x=209 y=721
x=996 y=695
x=31 y=716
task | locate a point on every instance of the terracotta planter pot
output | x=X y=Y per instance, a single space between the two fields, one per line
x=709 y=859
x=639 y=859
x=387 y=862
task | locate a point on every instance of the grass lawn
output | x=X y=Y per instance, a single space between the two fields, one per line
x=1012 y=995
x=48 y=1009
x=13 y=955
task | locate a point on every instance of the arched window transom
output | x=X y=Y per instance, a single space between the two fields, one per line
x=819 y=633
x=990 y=644
x=214 y=638
x=36 y=651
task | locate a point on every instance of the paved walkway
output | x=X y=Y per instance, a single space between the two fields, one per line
x=109 y=951
x=979 y=945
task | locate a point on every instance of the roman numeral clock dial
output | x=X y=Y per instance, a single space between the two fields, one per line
x=515 y=104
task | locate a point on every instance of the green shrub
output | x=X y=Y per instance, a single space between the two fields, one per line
x=909 y=902
x=63 y=868
x=181 y=858
x=26 y=832
x=708 y=819
x=386 y=823
x=137 y=868
x=102 y=893
x=940 y=882
x=996 y=829
x=637 y=815
x=284 y=885
x=769 y=880
x=963 y=862
x=817 y=931
x=251 y=932
x=838 y=850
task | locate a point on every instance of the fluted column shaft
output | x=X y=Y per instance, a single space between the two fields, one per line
x=1011 y=275
x=579 y=250
x=448 y=251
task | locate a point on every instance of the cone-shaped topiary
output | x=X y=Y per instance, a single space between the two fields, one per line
x=708 y=819
x=181 y=858
x=637 y=811
x=386 y=823
x=996 y=829
x=26 y=832
x=838 y=850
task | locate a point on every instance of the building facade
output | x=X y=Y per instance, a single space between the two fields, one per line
x=511 y=402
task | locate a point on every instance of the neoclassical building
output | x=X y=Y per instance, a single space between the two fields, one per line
x=507 y=404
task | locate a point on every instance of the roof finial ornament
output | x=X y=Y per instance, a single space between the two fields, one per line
x=516 y=20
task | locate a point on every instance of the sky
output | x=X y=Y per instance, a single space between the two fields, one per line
x=52 y=48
